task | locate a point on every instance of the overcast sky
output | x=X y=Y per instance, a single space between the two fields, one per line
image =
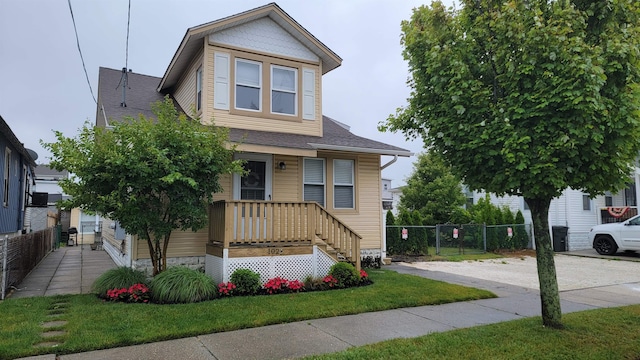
x=43 y=85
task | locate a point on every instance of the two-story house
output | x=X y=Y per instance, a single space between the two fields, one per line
x=313 y=186
x=17 y=179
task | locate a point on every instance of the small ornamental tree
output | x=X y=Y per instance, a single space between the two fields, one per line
x=432 y=190
x=527 y=98
x=151 y=175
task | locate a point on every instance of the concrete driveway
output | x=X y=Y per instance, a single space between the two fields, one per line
x=573 y=272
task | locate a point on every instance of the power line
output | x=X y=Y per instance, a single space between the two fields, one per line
x=80 y=51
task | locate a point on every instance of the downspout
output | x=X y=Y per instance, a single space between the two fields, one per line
x=395 y=158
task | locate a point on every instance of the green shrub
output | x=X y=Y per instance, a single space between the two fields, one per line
x=247 y=282
x=118 y=278
x=181 y=285
x=345 y=273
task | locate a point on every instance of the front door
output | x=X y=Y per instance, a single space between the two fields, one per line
x=256 y=185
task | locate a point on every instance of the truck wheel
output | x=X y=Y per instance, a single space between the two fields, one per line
x=605 y=245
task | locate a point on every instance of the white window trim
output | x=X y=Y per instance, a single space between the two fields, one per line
x=352 y=184
x=7 y=177
x=268 y=159
x=294 y=92
x=236 y=83
x=324 y=179
x=199 y=89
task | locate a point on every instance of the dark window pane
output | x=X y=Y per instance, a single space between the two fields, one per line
x=283 y=102
x=247 y=97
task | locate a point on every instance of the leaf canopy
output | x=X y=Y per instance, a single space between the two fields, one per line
x=151 y=175
x=527 y=97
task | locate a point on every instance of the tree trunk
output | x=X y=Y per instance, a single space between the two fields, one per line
x=549 y=295
x=152 y=254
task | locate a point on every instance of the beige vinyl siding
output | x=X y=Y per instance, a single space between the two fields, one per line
x=181 y=243
x=286 y=184
x=259 y=121
x=366 y=218
x=109 y=234
x=185 y=93
x=227 y=187
x=368 y=221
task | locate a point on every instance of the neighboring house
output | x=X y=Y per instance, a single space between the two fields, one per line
x=387 y=195
x=577 y=212
x=317 y=185
x=396 y=194
x=44 y=211
x=17 y=179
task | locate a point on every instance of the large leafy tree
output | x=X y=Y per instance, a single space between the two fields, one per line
x=151 y=175
x=527 y=98
x=432 y=189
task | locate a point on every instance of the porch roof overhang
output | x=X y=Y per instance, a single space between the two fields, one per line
x=266 y=149
x=336 y=137
x=389 y=152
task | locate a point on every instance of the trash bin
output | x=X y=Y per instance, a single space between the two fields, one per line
x=73 y=236
x=559 y=238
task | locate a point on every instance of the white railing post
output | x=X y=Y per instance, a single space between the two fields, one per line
x=5 y=253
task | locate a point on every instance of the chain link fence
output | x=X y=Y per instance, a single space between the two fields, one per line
x=20 y=254
x=452 y=239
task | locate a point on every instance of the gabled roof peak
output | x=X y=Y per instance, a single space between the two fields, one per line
x=192 y=41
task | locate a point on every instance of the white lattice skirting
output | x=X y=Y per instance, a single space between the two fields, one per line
x=290 y=267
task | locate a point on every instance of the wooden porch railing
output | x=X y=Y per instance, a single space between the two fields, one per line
x=278 y=223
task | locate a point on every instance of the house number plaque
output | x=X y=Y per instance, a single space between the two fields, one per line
x=275 y=251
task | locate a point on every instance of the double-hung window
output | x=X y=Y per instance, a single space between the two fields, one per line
x=248 y=85
x=343 y=184
x=199 y=89
x=284 y=89
x=7 y=176
x=314 y=180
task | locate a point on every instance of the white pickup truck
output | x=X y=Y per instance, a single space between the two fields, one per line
x=607 y=239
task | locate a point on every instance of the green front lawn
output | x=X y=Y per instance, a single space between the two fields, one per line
x=594 y=334
x=93 y=324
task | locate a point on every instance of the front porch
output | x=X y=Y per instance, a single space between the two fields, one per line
x=287 y=239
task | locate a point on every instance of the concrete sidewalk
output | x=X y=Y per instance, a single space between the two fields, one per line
x=67 y=270
x=328 y=335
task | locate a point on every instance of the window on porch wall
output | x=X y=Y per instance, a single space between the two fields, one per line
x=314 y=180
x=343 y=184
x=7 y=176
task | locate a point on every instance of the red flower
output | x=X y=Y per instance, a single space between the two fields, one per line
x=330 y=281
x=363 y=274
x=226 y=289
x=276 y=285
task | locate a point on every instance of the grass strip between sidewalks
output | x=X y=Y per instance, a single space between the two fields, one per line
x=594 y=334
x=93 y=324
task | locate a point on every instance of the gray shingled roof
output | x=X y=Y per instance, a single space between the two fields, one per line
x=43 y=170
x=142 y=92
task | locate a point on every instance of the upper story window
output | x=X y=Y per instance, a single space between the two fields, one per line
x=7 y=176
x=255 y=85
x=199 y=89
x=284 y=88
x=248 y=85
